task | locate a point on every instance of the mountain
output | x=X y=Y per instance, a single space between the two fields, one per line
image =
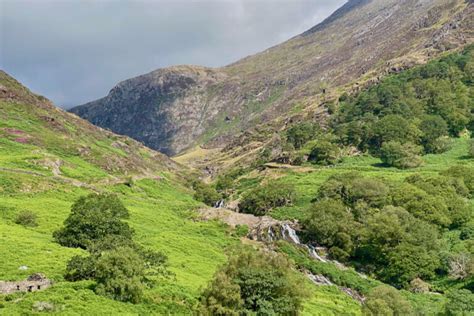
x=175 y=108
x=48 y=160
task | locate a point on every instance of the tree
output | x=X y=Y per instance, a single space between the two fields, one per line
x=460 y=302
x=401 y=156
x=332 y=225
x=120 y=268
x=393 y=128
x=120 y=275
x=92 y=218
x=384 y=300
x=206 y=193
x=325 y=153
x=254 y=282
x=301 y=133
x=262 y=199
x=433 y=127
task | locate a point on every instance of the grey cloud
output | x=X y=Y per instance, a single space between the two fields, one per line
x=75 y=51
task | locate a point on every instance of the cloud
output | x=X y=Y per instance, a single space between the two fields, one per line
x=75 y=51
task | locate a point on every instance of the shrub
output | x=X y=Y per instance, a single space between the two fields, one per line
x=471 y=148
x=325 y=153
x=27 y=219
x=433 y=128
x=462 y=172
x=241 y=230
x=120 y=268
x=92 y=218
x=460 y=302
x=301 y=133
x=401 y=156
x=332 y=225
x=206 y=193
x=254 y=282
x=120 y=275
x=262 y=199
x=385 y=300
x=392 y=128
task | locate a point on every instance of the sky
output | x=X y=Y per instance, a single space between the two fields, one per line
x=75 y=51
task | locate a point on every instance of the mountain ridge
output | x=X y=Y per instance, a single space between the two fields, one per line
x=212 y=106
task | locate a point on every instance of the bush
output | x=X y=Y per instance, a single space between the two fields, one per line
x=120 y=275
x=92 y=218
x=433 y=128
x=325 y=153
x=385 y=300
x=471 y=148
x=462 y=172
x=27 y=219
x=401 y=156
x=120 y=268
x=206 y=193
x=392 y=128
x=332 y=225
x=254 y=282
x=460 y=302
x=300 y=134
x=262 y=199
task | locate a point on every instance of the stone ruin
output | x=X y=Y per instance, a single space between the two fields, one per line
x=35 y=282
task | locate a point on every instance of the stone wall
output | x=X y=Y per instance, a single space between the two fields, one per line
x=35 y=282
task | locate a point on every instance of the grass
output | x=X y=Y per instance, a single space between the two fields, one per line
x=307 y=183
x=161 y=209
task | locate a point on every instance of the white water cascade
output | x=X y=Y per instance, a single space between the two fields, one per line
x=219 y=204
x=289 y=234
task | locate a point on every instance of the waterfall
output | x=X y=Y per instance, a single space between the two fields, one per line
x=319 y=279
x=288 y=232
x=314 y=254
x=219 y=204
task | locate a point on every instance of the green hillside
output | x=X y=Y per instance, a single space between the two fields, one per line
x=49 y=158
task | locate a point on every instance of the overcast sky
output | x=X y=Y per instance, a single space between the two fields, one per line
x=75 y=51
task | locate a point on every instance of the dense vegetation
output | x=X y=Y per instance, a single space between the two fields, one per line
x=412 y=229
x=261 y=200
x=391 y=229
x=403 y=117
x=419 y=107
x=252 y=282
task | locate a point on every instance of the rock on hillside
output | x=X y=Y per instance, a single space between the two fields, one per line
x=175 y=108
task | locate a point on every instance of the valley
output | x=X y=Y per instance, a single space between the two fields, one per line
x=332 y=174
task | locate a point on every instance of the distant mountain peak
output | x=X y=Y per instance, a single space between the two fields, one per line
x=339 y=13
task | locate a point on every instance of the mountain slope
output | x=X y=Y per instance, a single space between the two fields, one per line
x=50 y=158
x=173 y=109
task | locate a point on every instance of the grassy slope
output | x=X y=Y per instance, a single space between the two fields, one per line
x=93 y=160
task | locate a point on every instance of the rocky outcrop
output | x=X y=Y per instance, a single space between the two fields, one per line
x=175 y=108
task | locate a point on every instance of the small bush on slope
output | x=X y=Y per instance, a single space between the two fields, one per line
x=385 y=300
x=206 y=193
x=401 y=156
x=263 y=198
x=27 y=218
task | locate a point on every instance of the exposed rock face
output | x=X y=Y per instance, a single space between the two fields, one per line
x=165 y=109
x=173 y=109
